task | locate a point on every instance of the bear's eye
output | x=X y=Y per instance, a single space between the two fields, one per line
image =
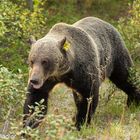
x=31 y=63
x=45 y=63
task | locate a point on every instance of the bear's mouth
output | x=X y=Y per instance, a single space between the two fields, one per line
x=37 y=85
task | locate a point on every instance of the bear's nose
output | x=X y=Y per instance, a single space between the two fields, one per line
x=34 y=81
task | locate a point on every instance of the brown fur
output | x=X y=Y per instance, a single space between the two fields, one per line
x=96 y=52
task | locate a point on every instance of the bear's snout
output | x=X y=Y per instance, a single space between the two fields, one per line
x=34 y=81
x=36 y=77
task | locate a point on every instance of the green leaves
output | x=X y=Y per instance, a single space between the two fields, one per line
x=11 y=91
x=17 y=23
x=130 y=25
x=134 y=76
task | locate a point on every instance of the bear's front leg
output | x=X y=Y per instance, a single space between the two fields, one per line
x=30 y=103
x=35 y=96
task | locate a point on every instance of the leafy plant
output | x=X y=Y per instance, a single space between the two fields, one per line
x=17 y=23
x=129 y=27
x=134 y=77
x=11 y=88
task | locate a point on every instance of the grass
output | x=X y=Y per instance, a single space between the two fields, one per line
x=112 y=120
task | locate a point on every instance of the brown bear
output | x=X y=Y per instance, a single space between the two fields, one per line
x=80 y=55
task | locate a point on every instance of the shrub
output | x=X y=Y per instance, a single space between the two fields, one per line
x=11 y=91
x=129 y=27
x=17 y=23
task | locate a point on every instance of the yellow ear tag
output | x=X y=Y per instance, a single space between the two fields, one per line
x=66 y=46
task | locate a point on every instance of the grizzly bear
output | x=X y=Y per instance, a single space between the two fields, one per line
x=80 y=55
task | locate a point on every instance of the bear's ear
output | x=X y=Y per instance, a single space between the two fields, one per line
x=62 y=42
x=31 y=40
x=64 y=45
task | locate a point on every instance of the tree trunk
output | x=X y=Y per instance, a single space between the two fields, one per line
x=30 y=4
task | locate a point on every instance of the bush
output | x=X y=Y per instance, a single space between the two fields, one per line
x=129 y=27
x=17 y=23
x=12 y=88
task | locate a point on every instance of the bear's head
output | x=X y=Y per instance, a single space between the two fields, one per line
x=46 y=59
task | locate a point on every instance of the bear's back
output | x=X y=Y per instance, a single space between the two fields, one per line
x=100 y=31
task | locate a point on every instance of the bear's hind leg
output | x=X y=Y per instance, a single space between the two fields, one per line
x=81 y=105
x=120 y=77
x=85 y=109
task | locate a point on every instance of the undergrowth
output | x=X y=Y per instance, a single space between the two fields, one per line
x=112 y=120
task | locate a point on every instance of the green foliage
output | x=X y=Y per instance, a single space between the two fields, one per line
x=11 y=90
x=134 y=77
x=129 y=27
x=17 y=23
x=52 y=127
